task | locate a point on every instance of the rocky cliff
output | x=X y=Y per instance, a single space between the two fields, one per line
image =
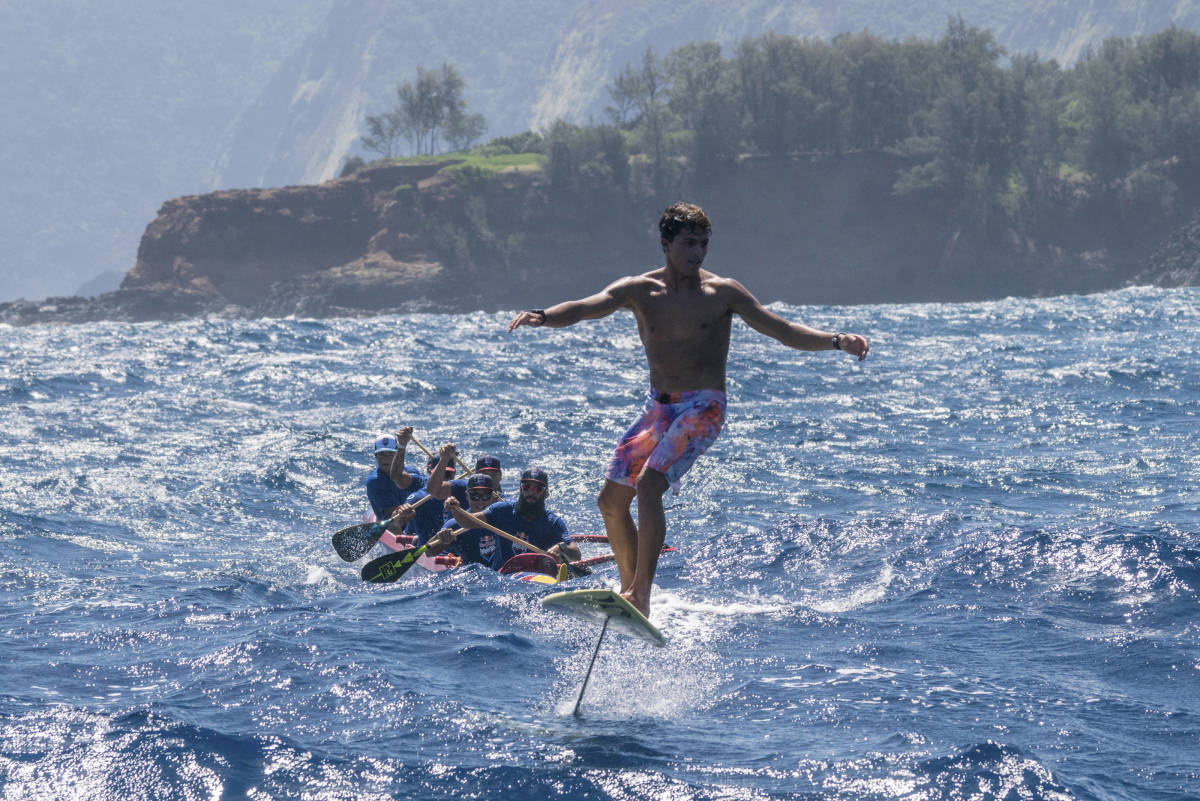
x=409 y=237
x=282 y=250
x=1176 y=262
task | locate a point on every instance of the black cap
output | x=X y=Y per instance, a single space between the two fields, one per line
x=536 y=474
x=487 y=463
x=480 y=480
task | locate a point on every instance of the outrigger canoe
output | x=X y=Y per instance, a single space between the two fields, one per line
x=535 y=567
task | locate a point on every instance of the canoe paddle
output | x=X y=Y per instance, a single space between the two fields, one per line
x=392 y=566
x=608 y=557
x=481 y=523
x=353 y=542
x=466 y=470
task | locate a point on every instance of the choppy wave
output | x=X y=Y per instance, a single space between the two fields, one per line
x=968 y=568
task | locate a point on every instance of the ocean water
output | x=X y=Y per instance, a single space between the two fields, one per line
x=967 y=568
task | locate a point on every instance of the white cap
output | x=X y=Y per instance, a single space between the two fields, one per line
x=386 y=444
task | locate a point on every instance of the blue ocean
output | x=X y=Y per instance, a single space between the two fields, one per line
x=966 y=568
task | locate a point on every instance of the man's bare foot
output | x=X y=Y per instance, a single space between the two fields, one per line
x=639 y=603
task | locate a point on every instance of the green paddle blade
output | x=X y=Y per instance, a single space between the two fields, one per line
x=387 y=569
x=353 y=542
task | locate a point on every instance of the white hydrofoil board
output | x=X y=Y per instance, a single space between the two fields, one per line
x=599 y=605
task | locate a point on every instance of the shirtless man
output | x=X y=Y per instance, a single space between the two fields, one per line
x=684 y=314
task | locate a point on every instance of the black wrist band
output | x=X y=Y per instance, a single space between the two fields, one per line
x=837 y=341
x=541 y=313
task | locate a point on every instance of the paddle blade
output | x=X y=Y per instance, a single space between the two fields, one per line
x=387 y=569
x=353 y=542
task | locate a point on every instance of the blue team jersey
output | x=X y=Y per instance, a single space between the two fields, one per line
x=384 y=494
x=431 y=515
x=478 y=546
x=544 y=531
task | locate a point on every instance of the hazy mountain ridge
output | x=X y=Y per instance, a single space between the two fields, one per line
x=108 y=110
x=598 y=45
x=111 y=109
x=306 y=121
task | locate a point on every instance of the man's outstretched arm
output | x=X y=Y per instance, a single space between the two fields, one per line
x=603 y=303
x=794 y=335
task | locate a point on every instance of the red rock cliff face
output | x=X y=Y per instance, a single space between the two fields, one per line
x=820 y=229
x=247 y=245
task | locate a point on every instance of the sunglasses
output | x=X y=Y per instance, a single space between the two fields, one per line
x=480 y=495
x=533 y=486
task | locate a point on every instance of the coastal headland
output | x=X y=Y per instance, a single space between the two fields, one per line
x=443 y=234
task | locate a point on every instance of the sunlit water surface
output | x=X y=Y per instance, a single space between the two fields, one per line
x=967 y=568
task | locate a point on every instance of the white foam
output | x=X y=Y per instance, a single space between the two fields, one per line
x=860 y=597
x=318 y=574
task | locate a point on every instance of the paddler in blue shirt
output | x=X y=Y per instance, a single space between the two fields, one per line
x=441 y=485
x=490 y=466
x=527 y=519
x=389 y=485
x=477 y=545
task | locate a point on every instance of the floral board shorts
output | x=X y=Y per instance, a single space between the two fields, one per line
x=674 y=429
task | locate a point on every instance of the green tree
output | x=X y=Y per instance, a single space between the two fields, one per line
x=428 y=104
x=1106 y=103
x=794 y=93
x=426 y=111
x=384 y=133
x=882 y=90
x=654 y=118
x=1166 y=74
x=463 y=130
x=704 y=97
x=625 y=90
x=587 y=166
x=968 y=141
x=1039 y=90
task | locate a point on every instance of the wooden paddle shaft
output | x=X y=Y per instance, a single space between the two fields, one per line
x=485 y=524
x=466 y=470
x=414 y=506
x=455 y=533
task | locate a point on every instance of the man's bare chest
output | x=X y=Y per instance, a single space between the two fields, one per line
x=671 y=317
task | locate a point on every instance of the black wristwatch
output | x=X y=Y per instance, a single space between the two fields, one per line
x=837 y=341
x=541 y=313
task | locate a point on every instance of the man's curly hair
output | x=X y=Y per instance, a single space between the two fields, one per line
x=680 y=216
